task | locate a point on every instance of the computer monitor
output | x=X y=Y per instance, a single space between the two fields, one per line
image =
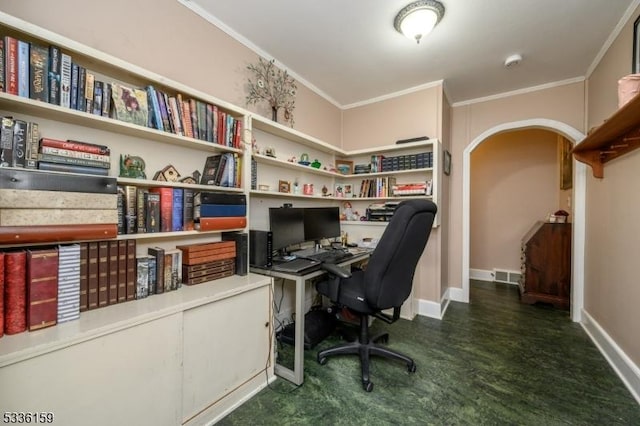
x=320 y=223
x=287 y=227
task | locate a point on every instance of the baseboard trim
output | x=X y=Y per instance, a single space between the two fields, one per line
x=480 y=275
x=457 y=294
x=429 y=309
x=628 y=372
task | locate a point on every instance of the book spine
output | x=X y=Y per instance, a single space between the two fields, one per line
x=73 y=96
x=153 y=212
x=84 y=276
x=76 y=146
x=219 y=210
x=164 y=114
x=92 y=276
x=15 y=291
x=23 y=69
x=221 y=223
x=2 y=66
x=106 y=100
x=142 y=277
x=195 y=248
x=175 y=116
x=158 y=254
x=81 y=102
x=19 y=143
x=208 y=114
x=68 y=283
x=75 y=154
x=122 y=271
x=55 y=57
x=11 y=65
x=166 y=207
x=142 y=196
x=168 y=270
x=187 y=260
x=193 y=108
x=70 y=168
x=31 y=155
x=154 y=107
x=98 y=92
x=177 y=211
x=89 y=87
x=65 y=80
x=187 y=209
x=176 y=268
x=103 y=273
x=130 y=209
x=132 y=276
x=39 y=70
x=113 y=272
x=56 y=233
x=60 y=159
x=152 y=275
x=6 y=141
x=186 y=116
x=42 y=288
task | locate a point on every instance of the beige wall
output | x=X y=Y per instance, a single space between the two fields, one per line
x=167 y=38
x=514 y=183
x=563 y=104
x=612 y=292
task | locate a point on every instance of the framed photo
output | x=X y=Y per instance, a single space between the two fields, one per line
x=566 y=163
x=284 y=186
x=446 y=164
x=344 y=167
x=636 y=47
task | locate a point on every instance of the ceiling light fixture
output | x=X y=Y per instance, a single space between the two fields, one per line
x=417 y=19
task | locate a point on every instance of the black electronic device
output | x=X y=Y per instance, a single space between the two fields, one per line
x=318 y=324
x=321 y=223
x=287 y=227
x=260 y=248
x=242 y=242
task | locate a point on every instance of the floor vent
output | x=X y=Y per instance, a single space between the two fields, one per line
x=504 y=276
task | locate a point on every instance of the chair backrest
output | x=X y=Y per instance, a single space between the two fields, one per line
x=389 y=274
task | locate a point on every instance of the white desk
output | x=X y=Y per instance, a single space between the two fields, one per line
x=297 y=374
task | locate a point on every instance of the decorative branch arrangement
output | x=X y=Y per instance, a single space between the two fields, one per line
x=274 y=86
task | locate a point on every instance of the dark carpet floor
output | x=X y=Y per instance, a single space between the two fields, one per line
x=493 y=361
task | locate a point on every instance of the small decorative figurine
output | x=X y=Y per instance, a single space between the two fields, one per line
x=304 y=159
x=316 y=164
x=132 y=166
x=270 y=151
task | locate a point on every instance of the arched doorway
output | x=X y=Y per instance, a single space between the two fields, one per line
x=579 y=205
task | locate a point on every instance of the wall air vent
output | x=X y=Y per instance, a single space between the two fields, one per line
x=505 y=276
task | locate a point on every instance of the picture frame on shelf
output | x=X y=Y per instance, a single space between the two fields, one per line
x=284 y=186
x=446 y=163
x=344 y=167
x=635 y=66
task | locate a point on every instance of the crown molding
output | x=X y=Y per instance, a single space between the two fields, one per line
x=394 y=94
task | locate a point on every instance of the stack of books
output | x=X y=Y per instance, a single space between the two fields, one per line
x=415 y=188
x=74 y=156
x=219 y=211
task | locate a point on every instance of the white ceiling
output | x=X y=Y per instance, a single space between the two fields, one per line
x=349 y=52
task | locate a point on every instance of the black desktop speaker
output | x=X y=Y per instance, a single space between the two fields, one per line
x=260 y=248
x=242 y=243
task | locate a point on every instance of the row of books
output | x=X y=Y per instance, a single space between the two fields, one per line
x=381 y=163
x=50 y=285
x=222 y=170
x=47 y=74
x=18 y=143
x=413 y=188
x=376 y=188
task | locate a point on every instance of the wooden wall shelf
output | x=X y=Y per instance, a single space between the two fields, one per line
x=618 y=135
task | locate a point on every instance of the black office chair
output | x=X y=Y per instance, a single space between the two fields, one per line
x=386 y=283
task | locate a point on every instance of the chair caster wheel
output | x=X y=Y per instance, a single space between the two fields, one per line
x=384 y=340
x=322 y=360
x=367 y=386
x=411 y=367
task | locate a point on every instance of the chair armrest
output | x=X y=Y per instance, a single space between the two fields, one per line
x=336 y=270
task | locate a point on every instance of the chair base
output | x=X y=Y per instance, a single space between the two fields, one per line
x=366 y=347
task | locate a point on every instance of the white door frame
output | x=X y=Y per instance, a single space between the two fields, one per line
x=579 y=195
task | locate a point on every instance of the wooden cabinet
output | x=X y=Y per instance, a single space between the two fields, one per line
x=546 y=264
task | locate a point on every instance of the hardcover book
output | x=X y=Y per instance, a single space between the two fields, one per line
x=106 y=100
x=56 y=233
x=130 y=104
x=39 y=70
x=92 y=276
x=81 y=101
x=177 y=212
x=28 y=179
x=55 y=58
x=19 y=143
x=122 y=271
x=130 y=208
x=221 y=223
x=166 y=207
x=11 y=65
x=154 y=108
x=15 y=291
x=218 y=210
x=142 y=197
x=187 y=210
x=68 y=282
x=89 y=87
x=210 y=171
x=153 y=212
x=142 y=279
x=33 y=136
x=153 y=274
x=158 y=254
x=132 y=275
x=2 y=68
x=84 y=276
x=103 y=273
x=65 y=80
x=6 y=141
x=168 y=272
x=98 y=91
x=42 y=288
x=113 y=272
x=70 y=168
x=73 y=97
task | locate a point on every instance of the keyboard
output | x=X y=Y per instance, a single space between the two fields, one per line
x=296 y=265
x=331 y=256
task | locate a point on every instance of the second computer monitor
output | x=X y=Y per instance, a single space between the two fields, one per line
x=321 y=223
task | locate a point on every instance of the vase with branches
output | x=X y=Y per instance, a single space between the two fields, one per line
x=274 y=86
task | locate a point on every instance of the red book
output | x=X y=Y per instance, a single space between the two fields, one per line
x=221 y=223
x=42 y=288
x=1 y=294
x=76 y=146
x=15 y=314
x=166 y=207
x=56 y=233
x=11 y=65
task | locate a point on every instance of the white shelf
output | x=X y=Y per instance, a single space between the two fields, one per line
x=99 y=322
x=175 y=234
x=289 y=195
x=389 y=148
x=263 y=159
x=158 y=183
x=389 y=173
